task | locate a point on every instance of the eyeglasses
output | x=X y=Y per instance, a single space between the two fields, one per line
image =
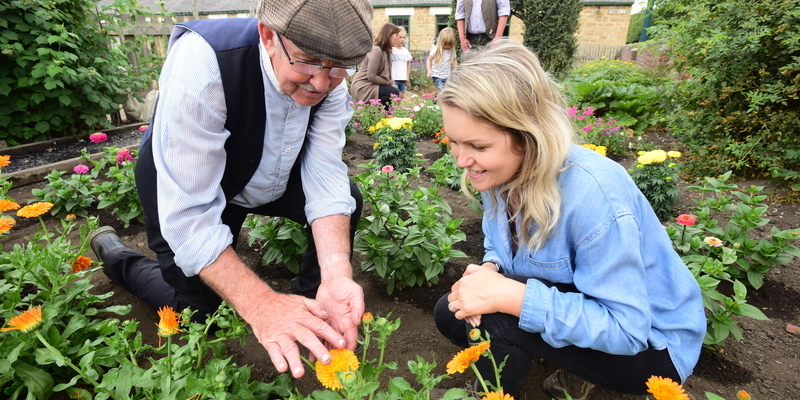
x=313 y=69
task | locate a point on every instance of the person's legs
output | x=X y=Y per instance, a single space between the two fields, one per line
x=625 y=374
x=385 y=93
x=401 y=87
x=439 y=83
x=478 y=40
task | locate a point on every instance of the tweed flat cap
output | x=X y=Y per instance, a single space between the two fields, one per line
x=335 y=30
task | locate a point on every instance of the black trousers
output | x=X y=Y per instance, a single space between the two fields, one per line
x=624 y=374
x=160 y=282
x=385 y=93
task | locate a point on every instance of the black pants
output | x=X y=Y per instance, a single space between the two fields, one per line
x=624 y=374
x=478 y=40
x=385 y=93
x=162 y=283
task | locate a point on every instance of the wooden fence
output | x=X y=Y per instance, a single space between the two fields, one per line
x=589 y=52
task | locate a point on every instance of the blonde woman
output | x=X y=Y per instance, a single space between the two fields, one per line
x=578 y=269
x=442 y=58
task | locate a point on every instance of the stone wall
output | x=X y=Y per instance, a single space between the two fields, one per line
x=604 y=25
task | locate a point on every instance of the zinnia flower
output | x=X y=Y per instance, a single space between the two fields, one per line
x=81 y=263
x=81 y=169
x=143 y=128
x=742 y=395
x=5 y=160
x=7 y=205
x=465 y=357
x=6 y=224
x=386 y=169
x=124 y=155
x=35 y=209
x=342 y=360
x=25 y=322
x=498 y=395
x=686 y=219
x=665 y=389
x=98 y=137
x=712 y=241
x=168 y=323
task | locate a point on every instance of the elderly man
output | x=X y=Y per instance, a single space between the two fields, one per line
x=250 y=119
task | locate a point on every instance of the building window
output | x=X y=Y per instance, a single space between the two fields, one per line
x=441 y=23
x=402 y=21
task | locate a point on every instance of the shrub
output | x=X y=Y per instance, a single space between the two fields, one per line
x=423 y=110
x=599 y=131
x=656 y=176
x=367 y=114
x=550 y=28
x=395 y=143
x=284 y=239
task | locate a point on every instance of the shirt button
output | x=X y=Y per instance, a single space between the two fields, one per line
x=288 y=150
x=294 y=105
x=281 y=183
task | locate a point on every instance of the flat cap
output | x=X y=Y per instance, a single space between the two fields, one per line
x=335 y=30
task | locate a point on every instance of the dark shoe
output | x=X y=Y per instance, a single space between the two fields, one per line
x=103 y=240
x=562 y=381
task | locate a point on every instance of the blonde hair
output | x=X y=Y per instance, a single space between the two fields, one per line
x=504 y=85
x=447 y=37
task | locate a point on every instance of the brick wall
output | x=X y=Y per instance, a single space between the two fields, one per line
x=651 y=59
x=604 y=25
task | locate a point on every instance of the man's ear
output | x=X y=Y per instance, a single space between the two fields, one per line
x=267 y=38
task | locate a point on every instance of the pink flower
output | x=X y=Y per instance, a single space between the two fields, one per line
x=98 y=137
x=81 y=169
x=580 y=117
x=143 y=128
x=124 y=155
x=712 y=241
x=571 y=111
x=387 y=169
x=686 y=219
x=588 y=111
x=587 y=128
x=411 y=115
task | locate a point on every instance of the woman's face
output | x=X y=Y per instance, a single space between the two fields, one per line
x=486 y=152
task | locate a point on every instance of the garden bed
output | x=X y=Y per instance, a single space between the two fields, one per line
x=765 y=363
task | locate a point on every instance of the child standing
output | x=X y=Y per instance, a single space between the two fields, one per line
x=442 y=58
x=401 y=61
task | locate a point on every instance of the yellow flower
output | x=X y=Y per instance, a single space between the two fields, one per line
x=25 y=322
x=398 y=123
x=669 y=178
x=81 y=263
x=342 y=360
x=665 y=389
x=658 y=155
x=474 y=334
x=168 y=323
x=674 y=154
x=465 y=357
x=672 y=164
x=7 y=205
x=645 y=159
x=375 y=146
x=35 y=209
x=6 y=224
x=5 y=160
x=742 y=395
x=712 y=241
x=499 y=395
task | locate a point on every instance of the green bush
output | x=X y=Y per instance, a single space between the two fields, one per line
x=60 y=71
x=550 y=28
x=740 y=108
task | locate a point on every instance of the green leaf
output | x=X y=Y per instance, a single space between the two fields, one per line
x=10 y=35
x=37 y=381
x=748 y=310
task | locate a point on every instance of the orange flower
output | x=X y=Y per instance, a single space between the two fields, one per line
x=70 y=217
x=342 y=360
x=6 y=205
x=6 y=224
x=686 y=219
x=742 y=395
x=25 y=322
x=169 y=323
x=5 y=160
x=466 y=357
x=498 y=395
x=35 y=209
x=665 y=389
x=446 y=140
x=81 y=263
x=367 y=318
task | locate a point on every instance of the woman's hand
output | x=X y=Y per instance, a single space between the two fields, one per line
x=483 y=291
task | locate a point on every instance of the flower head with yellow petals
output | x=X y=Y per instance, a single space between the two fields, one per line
x=8 y=205
x=342 y=360
x=34 y=210
x=498 y=395
x=169 y=322
x=665 y=389
x=25 y=322
x=466 y=357
x=81 y=263
x=5 y=160
x=6 y=224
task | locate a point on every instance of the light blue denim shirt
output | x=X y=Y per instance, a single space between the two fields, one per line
x=634 y=290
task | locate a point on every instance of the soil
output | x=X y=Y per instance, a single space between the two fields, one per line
x=766 y=363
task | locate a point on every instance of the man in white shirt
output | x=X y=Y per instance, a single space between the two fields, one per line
x=481 y=21
x=250 y=119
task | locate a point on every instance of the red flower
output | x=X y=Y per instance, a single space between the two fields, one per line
x=686 y=219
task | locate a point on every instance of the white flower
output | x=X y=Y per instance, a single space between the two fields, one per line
x=416 y=108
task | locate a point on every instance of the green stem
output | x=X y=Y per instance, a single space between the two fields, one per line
x=169 y=365
x=683 y=232
x=46 y=232
x=480 y=377
x=69 y=363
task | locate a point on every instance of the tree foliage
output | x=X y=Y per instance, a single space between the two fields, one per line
x=550 y=28
x=740 y=107
x=60 y=74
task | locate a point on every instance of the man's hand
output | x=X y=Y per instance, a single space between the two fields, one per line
x=343 y=300
x=465 y=44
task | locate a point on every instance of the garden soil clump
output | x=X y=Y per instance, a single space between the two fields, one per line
x=766 y=363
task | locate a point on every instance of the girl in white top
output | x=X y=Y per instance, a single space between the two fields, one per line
x=442 y=58
x=401 y=61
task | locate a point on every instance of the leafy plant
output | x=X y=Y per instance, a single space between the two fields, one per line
x=717 y=250
x=425 y=113
x=550 y=29
x=599 y=131
x=409 y=235
x=656 y=176
x=118 y=189
x=367 y=114
x=71 y=195
x=284 y=239
x=395 y=143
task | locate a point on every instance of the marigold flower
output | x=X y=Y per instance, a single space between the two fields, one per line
x=446 y=140
x=712 y=241
x=686 y=219
x=70 y=217
x=645 y=159
x=342 y=360
x=465 y=357
x=35 y=209
x=659 y=155
x=98 y=137
x=498 y=395
x=742 y=395
x=7 y=205
x=674 y=154
x=169 y=322
x=665 y=389
x=375 y=145
x=6 y=224
x=81 y=169
x=367 y=317
x=5 y=160
x=25 y=322
x=81 y=263
x=386 y=169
